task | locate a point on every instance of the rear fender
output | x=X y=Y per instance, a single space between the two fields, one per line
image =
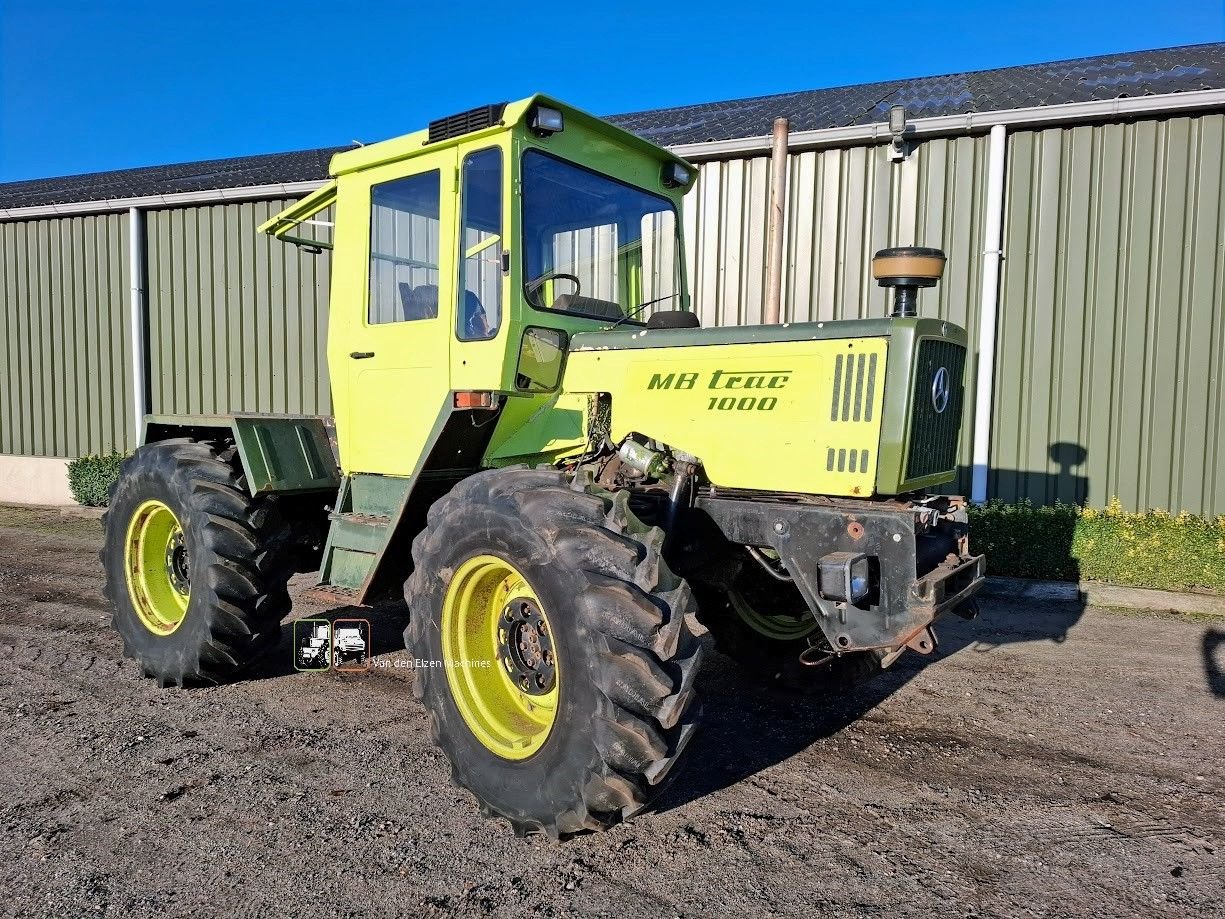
x=280 y=454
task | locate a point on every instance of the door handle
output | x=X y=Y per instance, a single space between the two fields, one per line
x=360 y=355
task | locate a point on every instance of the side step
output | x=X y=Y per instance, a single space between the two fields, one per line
x=361 y=525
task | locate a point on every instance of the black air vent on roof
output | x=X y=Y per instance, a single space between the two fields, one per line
x=476 y=119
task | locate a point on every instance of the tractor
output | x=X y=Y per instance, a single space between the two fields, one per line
x=574 y=487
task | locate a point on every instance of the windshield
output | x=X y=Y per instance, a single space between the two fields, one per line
x=595 y=246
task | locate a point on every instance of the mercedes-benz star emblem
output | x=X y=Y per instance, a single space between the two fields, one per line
x=940 y=390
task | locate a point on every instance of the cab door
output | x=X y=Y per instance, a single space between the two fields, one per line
x=397 y=350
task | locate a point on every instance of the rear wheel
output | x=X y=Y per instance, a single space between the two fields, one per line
x=195 y=568
x=558 y=664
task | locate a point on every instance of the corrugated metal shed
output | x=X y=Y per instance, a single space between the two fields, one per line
x=1111 y=341
x=64 y=390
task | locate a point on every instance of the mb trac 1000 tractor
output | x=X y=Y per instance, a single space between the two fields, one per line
x=573 y=486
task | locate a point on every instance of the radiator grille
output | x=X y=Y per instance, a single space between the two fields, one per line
x=933 y=435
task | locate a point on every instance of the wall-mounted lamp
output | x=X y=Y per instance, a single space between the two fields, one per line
x=897 y=127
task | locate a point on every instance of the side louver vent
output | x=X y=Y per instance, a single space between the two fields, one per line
x=846 y=460
x=854 y=384
x=477 y=119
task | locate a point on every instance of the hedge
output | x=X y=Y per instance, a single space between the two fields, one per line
x=90 y=478
x=1068 y=542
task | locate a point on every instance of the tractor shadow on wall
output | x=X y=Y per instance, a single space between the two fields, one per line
x=747 y=728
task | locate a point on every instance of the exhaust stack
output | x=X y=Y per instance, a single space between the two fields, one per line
x=906 y=269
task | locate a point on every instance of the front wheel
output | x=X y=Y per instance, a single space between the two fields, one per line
x=765 y=626
x=557 y=663
x=195 y=567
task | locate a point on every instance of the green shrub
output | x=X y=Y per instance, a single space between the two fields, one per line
x=90 y=478
x=1067 y=543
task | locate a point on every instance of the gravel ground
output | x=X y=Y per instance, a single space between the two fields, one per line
x=1048 y=760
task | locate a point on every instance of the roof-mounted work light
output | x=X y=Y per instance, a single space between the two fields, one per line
x=545 y=121
x=675 y=175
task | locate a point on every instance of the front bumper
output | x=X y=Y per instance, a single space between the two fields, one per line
x=918 y=552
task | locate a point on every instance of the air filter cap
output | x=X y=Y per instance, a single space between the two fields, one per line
x=908 y=266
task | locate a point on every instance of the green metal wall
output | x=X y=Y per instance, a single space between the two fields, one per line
x=1111 y=340
x=843 y=206
x=237 y=320
x=64 y=343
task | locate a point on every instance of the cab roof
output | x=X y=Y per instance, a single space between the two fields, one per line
x=488 y=119
x=449 y=132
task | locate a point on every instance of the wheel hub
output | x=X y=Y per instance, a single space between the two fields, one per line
x=178 y=568
x=526 y=648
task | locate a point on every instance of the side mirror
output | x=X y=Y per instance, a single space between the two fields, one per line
x=542 y=355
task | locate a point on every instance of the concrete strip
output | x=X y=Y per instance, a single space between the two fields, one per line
x=1142 y=598
x=1094 y=593
x=34 y=480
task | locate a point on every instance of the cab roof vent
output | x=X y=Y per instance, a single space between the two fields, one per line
x=477 y=119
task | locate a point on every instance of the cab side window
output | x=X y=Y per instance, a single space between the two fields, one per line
x=404 y=247
x=480 y=247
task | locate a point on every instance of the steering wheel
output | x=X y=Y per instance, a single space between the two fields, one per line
x=534 y=285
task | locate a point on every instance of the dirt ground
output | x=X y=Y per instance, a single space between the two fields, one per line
x=1048 y=760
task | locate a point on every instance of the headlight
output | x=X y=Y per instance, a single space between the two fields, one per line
x=845 y=576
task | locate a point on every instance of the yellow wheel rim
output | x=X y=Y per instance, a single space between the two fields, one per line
x=155 y=558
x=499 y=655
x=779 y=626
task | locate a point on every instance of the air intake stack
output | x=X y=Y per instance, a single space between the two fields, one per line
x=906 y=269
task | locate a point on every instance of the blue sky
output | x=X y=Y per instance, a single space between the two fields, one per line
x=109 y=84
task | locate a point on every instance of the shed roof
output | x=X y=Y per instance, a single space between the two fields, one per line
x=1111 y=76
x=234 y=172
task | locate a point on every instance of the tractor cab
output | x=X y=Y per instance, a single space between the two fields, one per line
x=469 y=253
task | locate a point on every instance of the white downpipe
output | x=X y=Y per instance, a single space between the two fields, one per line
x=136 y=315
x=989 y=311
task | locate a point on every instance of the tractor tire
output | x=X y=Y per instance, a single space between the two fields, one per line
x=196 y=569
x=620 y=638
x=775 y=661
